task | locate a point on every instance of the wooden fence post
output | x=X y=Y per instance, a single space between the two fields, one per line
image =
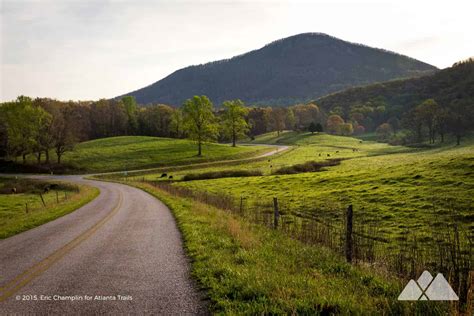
x=26 y=207
x=276 y=213
x=57 y=197
x=42 y=200
x=349 y=241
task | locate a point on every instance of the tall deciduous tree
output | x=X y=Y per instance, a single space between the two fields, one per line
x=334 y=123
x=233 y=120
x=199 y=120
x=277 y=119
x=131 y=109
x=427 y=112
x=176 y=124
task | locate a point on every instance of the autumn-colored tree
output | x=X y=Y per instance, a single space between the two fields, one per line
x=334 y=123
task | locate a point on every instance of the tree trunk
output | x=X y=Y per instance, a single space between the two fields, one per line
x=199 y=148
x=442 y=137
x=59 y=158
x=458 y=140
x=24 y=158
x=46 y=153
x=38 y=157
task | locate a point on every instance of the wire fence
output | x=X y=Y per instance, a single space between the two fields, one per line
x=352 y=234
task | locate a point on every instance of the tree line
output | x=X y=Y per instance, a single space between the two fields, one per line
x=41 y=126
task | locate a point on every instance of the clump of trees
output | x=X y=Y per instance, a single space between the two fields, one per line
x=429 y=121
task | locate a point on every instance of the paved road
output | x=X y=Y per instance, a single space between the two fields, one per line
x=123 y=251
x=125 y=242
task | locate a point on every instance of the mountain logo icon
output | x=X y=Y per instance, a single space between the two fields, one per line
x=428 y=288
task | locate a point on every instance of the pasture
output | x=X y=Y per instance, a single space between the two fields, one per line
x=25 y=209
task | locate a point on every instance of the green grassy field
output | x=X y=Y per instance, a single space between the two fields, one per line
x=400 y=188
x=248 y=269
x=14 y=217
x=303 y=147
x=410 y=197
x=140 y=152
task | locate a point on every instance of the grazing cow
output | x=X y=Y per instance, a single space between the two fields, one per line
x=170 y=177
x=164 y=175
x=46 y=189
x=337 y=151
x=268 y=160
x=13 y=190
x=320 y=155
x=329 y=155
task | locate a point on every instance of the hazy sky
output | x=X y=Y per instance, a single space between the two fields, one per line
x=93 y=49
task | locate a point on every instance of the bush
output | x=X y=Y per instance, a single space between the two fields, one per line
x=310 y=166
x=222 y=174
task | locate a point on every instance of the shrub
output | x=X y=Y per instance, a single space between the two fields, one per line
x=222 y=174
x=310 y=166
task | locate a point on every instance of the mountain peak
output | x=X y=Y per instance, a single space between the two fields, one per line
x=293 y=69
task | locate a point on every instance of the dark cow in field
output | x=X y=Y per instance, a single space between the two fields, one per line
x=164 y=175
x=13 y=190
x=170 y=177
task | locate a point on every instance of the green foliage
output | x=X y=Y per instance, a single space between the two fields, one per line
x=375 y=104
x=199 y=120
x=25 y=126
x=221 y=174
x=309 y=166
x=132 y=113
x=233 y=120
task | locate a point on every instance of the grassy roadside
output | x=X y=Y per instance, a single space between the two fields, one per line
x=13 y=216
x=248 y=269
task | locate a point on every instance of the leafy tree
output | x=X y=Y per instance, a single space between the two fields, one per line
x=131 y=109
x=427 y=113
x=312 y=127
x=233 y=119
x=24 y=126
x=394 y=123
x=359 y=130
x=384 y=131
x=334 y=123
x=259 y=120
x=460 y=119
x=290 y=120
x=319 y=127
x=176 y=124
x=199 y=120
x=346 y=129
x=277 y=119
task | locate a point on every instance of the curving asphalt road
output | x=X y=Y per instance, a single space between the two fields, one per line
x=125 y=242
x=122 y=253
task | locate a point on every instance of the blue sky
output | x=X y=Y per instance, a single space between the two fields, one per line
x=99 y=49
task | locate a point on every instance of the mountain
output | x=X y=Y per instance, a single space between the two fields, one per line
x=293 y=69
x=399 y=96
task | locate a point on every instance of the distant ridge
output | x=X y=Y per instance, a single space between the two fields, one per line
x=294 y=69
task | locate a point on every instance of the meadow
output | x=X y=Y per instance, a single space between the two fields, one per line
x=25 y=209
x=413 y=204
x=141 y=152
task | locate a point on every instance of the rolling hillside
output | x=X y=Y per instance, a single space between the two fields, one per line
x=294 y=69
x=456 y=82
